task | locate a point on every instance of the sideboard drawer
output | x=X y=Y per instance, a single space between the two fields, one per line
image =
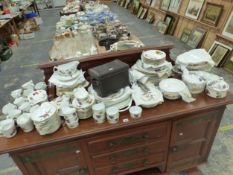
x=129 y=154
x=139 y=164
x=128 y=137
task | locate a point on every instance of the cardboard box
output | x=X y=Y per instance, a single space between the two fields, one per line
x=26 y=36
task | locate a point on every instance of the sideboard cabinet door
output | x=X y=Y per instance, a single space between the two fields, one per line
x=61 y=159
x=191 y=139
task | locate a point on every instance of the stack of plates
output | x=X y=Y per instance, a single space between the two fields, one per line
x=69 y=81
x=46 y=119
x=122 y=99
x=154 y=66
x=196 y=59
x=148 y=96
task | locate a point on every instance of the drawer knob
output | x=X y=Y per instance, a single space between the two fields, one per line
x=181 y=134
x=146 y=163
x=77 y=151
x=174 y=149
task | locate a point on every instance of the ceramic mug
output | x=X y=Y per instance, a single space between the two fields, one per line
x=72 y=124
x=25 y=123
x=99 y=112
x=26 y=92
x=33 y=108
x=8 y=108
x=14 y=114
x=28 y=85
x=19 y=101
x=69 y=113
x=25 y=107
x=113 y=115
x=16 y=93
x=7 y=128
x=135 y=112
x=41 y=86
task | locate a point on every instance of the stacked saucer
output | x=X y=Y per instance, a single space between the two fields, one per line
x=46 y=119
x=83 y=103
x=66 y=77
x=37 y=96
x=153 y=65
x=121 y=100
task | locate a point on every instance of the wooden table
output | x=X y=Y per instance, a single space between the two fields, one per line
x=11 y=23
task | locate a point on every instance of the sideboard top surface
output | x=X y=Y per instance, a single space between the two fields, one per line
x=167 y=110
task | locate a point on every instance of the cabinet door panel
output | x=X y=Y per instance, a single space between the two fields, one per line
x=194 y=127
x=50 y=160
x=191 y=139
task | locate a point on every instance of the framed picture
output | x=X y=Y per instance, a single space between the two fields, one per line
x=150 y=18
x=185 y=35
x=196 y=37
x=162 y=27
x=212 y=13
x=140 y=11
x=229 y=64
x=148 y=2
x=219 y=51
x=142 y=16
x=194 y=8
x=165 y=5
x=170 y=21
x=174 y=6
x=153 y=3
x=228 y=29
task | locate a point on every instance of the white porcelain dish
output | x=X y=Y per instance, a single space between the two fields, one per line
x=217 y=89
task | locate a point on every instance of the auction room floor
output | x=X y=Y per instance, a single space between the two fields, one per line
x=20 y=68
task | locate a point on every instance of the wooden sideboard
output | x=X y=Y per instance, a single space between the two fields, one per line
x=171 y=137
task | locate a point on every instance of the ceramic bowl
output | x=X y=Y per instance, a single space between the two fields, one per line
x=217 y=89
x=171 y=88
x=154 y=57
x=195 y=83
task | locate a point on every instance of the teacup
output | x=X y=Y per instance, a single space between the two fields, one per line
x=135 y=112
x=26 y=92
x=41 y=86
x=66 y=69
x=7 y=108
x=19 y=101
x=14 y=114
x=16 y=93
x=33 y=108
x=25 y=107
x=69 y=113
x=72 y=124
x=25 y=123
x=28 y=85
x=113 y=115
x=99 y=112
x=7 y=128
